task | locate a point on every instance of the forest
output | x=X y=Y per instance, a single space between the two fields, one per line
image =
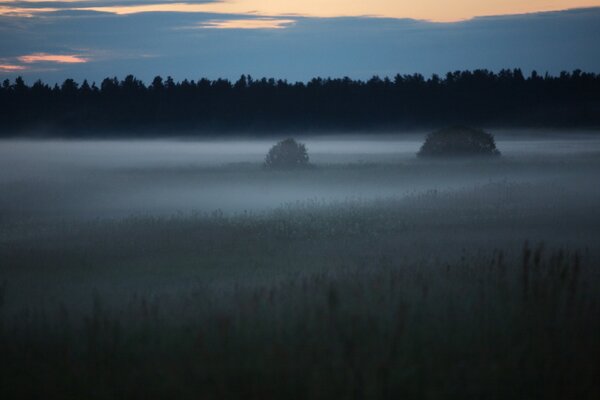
x=129 y=106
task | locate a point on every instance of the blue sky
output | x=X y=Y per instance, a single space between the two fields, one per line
x=67 y=43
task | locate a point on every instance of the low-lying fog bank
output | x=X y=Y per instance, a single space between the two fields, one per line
x=90 y=179
x=373 y=274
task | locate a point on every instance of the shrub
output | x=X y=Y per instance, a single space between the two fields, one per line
x=287 y=154
x=459 y=142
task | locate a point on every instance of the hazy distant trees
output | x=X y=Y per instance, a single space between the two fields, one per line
x=459 y=141
x=287 y=154
x=480 y=98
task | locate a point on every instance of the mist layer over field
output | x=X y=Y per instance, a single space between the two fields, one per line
x=140 y=269
x=90 y=179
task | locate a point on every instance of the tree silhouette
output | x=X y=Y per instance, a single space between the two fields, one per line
x=478 y=98
x=287 y=154
x=459 y=141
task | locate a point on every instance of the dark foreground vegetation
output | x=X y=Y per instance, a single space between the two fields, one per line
x=436 y=295
x=129 y=106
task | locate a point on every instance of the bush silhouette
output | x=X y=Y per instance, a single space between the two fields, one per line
x=287 y=154
x=459 y=141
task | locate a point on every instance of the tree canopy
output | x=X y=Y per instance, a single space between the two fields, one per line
x=287 y=154
x=480 y=97
x=459 y=141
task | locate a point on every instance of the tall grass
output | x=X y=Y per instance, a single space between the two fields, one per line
x=433 y=296
x=480 y=328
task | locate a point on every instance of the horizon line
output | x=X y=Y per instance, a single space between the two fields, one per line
x=496 y=72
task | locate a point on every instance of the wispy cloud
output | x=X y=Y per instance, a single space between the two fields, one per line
x=147 y=7
x=52 y=58
x=11 y=68
x=33 y=61
x=11 y=11
x=257 y=23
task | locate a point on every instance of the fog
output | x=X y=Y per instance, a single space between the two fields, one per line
x=117 y=251
x=116 y=178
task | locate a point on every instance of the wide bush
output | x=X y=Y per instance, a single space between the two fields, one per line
x=287 y=154
x=459 y=142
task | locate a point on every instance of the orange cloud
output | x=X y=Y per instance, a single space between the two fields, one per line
x=23 y=11
x=258 y=23
x=54 y=58
x=141 y=8
x=11 y=68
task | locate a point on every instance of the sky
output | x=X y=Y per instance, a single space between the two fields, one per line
x=294 y=40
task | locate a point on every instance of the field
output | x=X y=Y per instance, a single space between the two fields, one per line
x=185 y=270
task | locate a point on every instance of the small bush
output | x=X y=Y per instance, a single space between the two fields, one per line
x=459 y=142
x=287 y=154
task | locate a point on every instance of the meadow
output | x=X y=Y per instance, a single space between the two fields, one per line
x=185 y=270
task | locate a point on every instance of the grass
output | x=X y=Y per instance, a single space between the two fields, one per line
x=480 y=328
x=435 y=295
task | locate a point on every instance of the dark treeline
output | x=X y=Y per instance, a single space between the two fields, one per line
x=480 y=97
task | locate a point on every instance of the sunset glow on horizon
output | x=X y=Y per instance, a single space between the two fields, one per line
x=91 y=39
x=431 y=10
